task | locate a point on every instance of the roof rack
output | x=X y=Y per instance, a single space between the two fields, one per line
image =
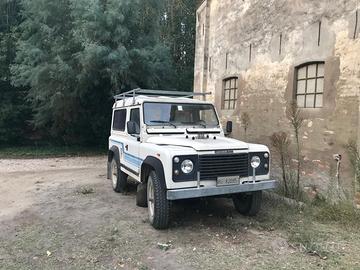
x=147 y=92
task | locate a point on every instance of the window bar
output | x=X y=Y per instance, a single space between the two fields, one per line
x=316 y=78
x=356 y=22
x=319 y=33
x=250 y=52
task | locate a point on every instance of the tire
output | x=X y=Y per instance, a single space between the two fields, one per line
x=118 y=177
x=141 y=195
x=158 y=205
x=248 y=204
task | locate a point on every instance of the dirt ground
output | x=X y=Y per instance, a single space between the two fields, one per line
x=61 y=213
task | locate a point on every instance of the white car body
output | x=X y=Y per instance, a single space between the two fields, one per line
x=163 y=143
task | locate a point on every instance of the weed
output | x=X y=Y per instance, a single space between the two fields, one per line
x=86 y=190
x=278 y=215
x=292 y=191
x=281 y=143
x=354 y=157
x=342 y=212
x=296 y=121
x=245 y=122
x=309 y=241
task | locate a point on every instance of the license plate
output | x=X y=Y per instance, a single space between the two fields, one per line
x=228 y=180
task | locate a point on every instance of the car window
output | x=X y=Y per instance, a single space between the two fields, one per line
x=119 y=120
x=135 y=117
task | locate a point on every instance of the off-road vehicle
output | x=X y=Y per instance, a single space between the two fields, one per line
x=175 y=148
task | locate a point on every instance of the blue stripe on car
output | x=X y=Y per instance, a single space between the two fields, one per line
x=136 y=161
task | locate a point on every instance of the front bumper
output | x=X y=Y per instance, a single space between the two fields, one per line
x=195 y=192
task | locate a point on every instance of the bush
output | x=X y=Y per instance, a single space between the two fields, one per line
x=354 y=157
x=291 y=190
x=342 y=212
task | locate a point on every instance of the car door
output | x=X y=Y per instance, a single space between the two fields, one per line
x=132 y=145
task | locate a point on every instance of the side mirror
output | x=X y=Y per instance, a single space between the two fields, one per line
x=132 y=128
x=229 y=126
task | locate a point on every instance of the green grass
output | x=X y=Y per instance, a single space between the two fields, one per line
x=342 y=213
x=49 y=151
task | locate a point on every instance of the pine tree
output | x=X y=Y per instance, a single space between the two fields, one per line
x=14 y=110
x=76 y=55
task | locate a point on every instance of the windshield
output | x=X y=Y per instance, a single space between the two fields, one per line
x=176 y=114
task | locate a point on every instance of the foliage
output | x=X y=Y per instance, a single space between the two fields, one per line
x=44 y=151
x=245 y=122
x=281 y=142
x=308 y=240
x=342 y=212
x=61 y=62
x=354 y=157
x=77 y=55
x=85 y=190
x=292 y=191
x=296 y=121
x=14 y=110
x=178 y=33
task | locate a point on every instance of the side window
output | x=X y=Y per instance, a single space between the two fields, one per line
x=135 y=117
x=119 y=120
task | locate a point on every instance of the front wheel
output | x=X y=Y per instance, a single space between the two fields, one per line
x=158 y=204
x=248 y=204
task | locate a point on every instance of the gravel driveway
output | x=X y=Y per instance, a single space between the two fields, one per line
x=61 y=213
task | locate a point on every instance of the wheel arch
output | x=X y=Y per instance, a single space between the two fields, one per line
x=153 y=163
x=113 y=152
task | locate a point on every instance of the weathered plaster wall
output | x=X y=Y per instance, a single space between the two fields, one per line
x=261 y=42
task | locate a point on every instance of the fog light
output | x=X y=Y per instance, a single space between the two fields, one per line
x=255 y=162
x=266 y=155
x=266 y=166
x=176 y=159
x=176 y=172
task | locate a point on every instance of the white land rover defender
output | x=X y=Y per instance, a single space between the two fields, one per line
x=175 y=147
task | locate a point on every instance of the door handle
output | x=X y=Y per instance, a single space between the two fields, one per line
x=127 y=147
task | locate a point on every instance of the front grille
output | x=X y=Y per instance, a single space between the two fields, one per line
x=212 y=166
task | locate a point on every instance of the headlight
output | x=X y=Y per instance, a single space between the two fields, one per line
x=187 y=166
x=255 y=162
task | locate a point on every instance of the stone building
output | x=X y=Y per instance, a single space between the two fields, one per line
x=258 y=56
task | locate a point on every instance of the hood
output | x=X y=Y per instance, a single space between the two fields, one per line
x=220 y=143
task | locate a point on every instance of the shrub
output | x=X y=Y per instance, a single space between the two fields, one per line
x=281 y=142
x=245 y=122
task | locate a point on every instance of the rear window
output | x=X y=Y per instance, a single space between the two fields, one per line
x=119 y=120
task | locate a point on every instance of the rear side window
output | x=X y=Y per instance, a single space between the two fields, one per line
x=119 y=120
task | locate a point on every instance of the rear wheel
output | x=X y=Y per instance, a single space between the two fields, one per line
x=248 y=204
x=158 y=204
x=118 y=177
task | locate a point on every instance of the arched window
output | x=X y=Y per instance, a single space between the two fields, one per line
x=230 y=86
x=310 y=85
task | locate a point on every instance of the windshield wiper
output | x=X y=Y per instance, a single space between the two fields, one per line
x=163 y=122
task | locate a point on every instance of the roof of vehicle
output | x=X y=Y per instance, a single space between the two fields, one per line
x=139 y=96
